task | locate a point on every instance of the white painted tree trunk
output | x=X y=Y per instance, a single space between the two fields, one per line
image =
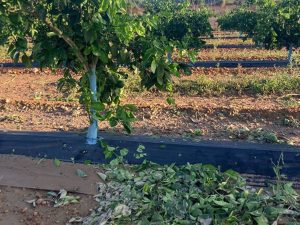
x=290 y=54
x=170 y=57
x=92 y=135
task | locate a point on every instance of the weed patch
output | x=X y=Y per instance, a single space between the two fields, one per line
x=249 y=85
x=259 y=134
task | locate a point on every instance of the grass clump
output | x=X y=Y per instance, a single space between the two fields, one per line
x=258 y=134
x=249 y=85
x=277 y=84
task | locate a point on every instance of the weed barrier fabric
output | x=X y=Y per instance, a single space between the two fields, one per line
x=225 y=37
x=246 y=158
x=241 y=63
x=18 y=65
x=204 y=64
x=239 y=46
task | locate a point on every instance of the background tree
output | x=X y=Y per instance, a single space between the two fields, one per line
x=242 y=20
x=96 y=40
x=274 y=24
x=178 y=22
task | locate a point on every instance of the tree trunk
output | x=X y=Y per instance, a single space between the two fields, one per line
x=223 y=5
x=170 y=57
x=290 y=54
x=92 y=135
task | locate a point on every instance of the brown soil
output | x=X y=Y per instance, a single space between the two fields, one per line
x=19 y=171
x=217 y=117
x=14 y=208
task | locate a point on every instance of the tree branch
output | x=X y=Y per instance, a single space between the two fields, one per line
x=69 y=41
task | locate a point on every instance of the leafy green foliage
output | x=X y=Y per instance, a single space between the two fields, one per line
x=62 y=198
x=94 y=39
x=57 y=162
x=81 y=173
x=188 y=194
x=257 y=134
x=274 y=24
x=242 y=20
x=189 y=25
x=178 y=22
x=160 y=6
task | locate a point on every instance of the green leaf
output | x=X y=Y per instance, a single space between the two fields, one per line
x=153 y=66
x=51 y=34
x=80 y=173
x=121 y=211
x=124 y=152
x=262 y=220
x=195 y=212
x=140 y=148
x=144 y=222
x=108 y=151
x=103 y=176
x=87 y=162
x=131 y=107
x=98 y=106
x=157 y=218
x=87 y=51
x=103 y=57
x=57 y=162
x=232 y=174
x=104 y=5
x=113 y=121
x=222 y=203
x=97 y=51
x=127 y=127
x=183 y=222
x=171 y=101
x=160 y=74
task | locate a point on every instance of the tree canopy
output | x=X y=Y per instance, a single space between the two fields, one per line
x=273 y=24
x=96 y=40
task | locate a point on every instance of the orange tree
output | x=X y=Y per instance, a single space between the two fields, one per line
x=273 y=24
x=94 y=39
x=177 y=21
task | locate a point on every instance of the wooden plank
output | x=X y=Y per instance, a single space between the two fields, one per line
x=24 y=172
x=243 y=157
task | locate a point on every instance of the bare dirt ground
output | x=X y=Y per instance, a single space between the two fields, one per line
x=14 y=206
x=14 y=210
x=29 y=101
